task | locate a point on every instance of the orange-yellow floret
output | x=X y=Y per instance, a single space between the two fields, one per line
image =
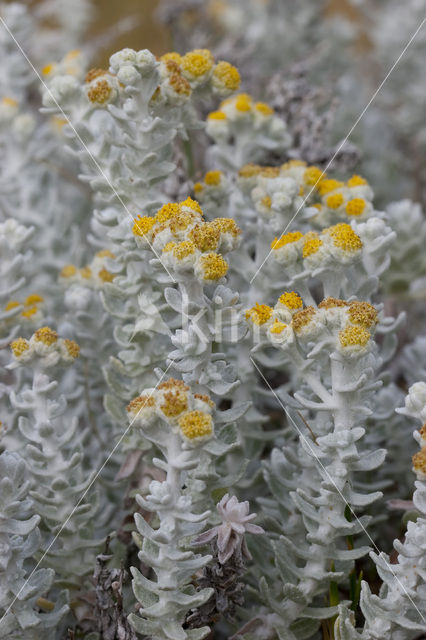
x=344 y=237
x=213 y=178
x=243 y=102
x=48 y=68
x=259 y=314
x=19 y=347
x=216 y=115
x=355 y=207
x=191 y=204
x=249 y=170
x=86 y=272
x=173 y=56
x=291 y=299
x=270 y=172
x=277 y=327
x=175 y=402
x=302 y=318
x=180 y=84
x=228 y=75
x=68 y=271
x=419 y=461
x=362 y=313
x=181 y=221
x=198 y=187
x=100 y=92
x=335 y=201
x=29 y=312
x=287 y=238
x=34 y=298
x=105 y=275
x=226 y=225
x=204 y=398
x=105 y=253
x=214 y=266
x=313 y=175
x=266 y=202
x=169 y=246
x=197 y=63
x=327 y=185
x=264 y=109
x=356 y=181
x=353 y=336
x=12 y=304
x=9 y=102
x=94 y=73
x=196 y=424
x=290 y=164
x=74 y=53
x=184 y=249
x=167 y=211
x=46 y=335
x=139 y=403
x=312 y=246
x=72 y=348
x=330 y=303
x=205 y=237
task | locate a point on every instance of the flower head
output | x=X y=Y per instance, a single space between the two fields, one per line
x=19 y=347
x=225 y=78
x=197 y=64
x=46 y=335
x=173 y=397
x=211 y=266
x=355 y=207
x=419 y=464
x=102 y=90
x=363 y=314
x=196 y=426
x=291 y=300
x=354 y=339
x=259 y=314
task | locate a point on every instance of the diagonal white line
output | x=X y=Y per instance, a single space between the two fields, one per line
x=306 y=441
x=83 y=144
x=83 y=495
x=345 y=139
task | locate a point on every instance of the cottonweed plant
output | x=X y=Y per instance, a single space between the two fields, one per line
x=200 y=399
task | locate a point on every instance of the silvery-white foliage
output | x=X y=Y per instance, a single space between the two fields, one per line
x=407 y=255
x=399 y=610
x=22 y=586
x=59 y=483
x=412 y=360
x=165 y=602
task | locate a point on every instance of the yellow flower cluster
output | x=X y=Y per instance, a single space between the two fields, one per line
x=93 y=275
x=187 y=242
x=72 y=64
x=332 y=198
x=31 y=306
x=352 y=323
x=183 y=74
x=336 y=243
x=241 y=105
x=211 y=181
x=185 y=413
x=45 y=343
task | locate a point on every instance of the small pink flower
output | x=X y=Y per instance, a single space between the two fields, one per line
x=230 y=534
